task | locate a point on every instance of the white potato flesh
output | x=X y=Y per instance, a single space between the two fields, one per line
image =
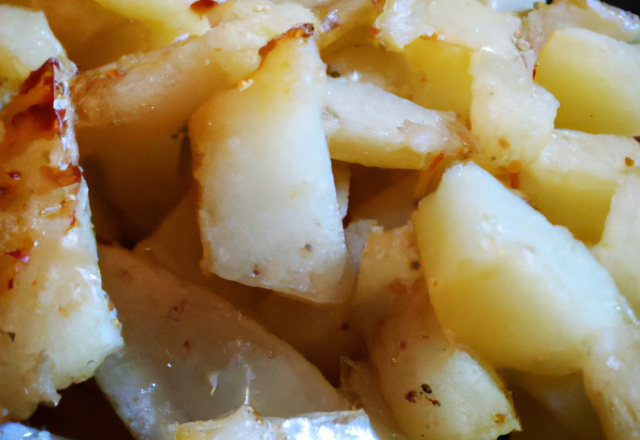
x=191 y=356
x=490 y=258
x=433 y=389
x=172 y=14
x=593 y=15
x=246 y=424
x=619 y=249
x=359 y=382
x=341 y=178
x=268 y=209
x=56 y=323
x=356 y=236
x=366 y=125
x=565 y=399
x=611 y=374
x=321 y=334
x=465 y=22
x=511 y=117
x=510 y=5
x=26 y=42
x=595 y=78
x=14 y=431
x=574 y=178
x=158 y=91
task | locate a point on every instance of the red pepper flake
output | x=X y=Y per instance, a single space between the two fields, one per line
x=375 y=31
x=411 y=396
x=187 y=344
x=10 y=283
x=19 y=255
x=15 y=175
x=255 y=273
x=36 y=76
x=434 y=402
x=403 y=345
x=436 y=161
x=201 y=7
x=535 y=71
x=629 y=162
x=114 y=73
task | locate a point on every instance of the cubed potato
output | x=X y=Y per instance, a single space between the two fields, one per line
x=596 y=80
x=523 y=293
x=56 y=322
x=619 y=248
x=511 y=117
x=445 y=80
x=465 y=22
x=366 y=125
x=189 y=356
x=268 y=209
x=433 y=389
x=574 y=178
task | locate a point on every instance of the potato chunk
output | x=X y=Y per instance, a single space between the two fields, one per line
x=246 y=424
x=268 y=209
x=191 y=356
x=56 y=325
x=619 y=249
x=26 y=42
x=491 y=258
x=433 y=389
x=596 y=80
x=366 y=125
x=574 y=178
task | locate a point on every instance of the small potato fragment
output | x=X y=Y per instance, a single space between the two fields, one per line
x=593 y=15
x=433 y=389
x=610 y=375
x=491 y=258
x=172 y=14
x=366 y=125
x=56 y=322
x=261 y=149
x=464 y=22
x=619 y=249
x=245 y=424
x=511 y=117
x=26 y=42
x=13 y=431
x=596 y=80
x=574 y=178
x=190 y=356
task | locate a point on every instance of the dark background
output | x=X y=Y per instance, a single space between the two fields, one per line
x=629 y=5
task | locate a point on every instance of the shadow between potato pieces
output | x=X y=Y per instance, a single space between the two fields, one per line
x=83 y=414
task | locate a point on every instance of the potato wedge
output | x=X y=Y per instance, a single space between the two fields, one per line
x=268 y=155
x=56 y=322
x=191 y=356
x=490 y=257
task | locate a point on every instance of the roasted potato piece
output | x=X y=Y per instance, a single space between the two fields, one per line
x=433 y=389
x=191 y=356
x=56 y=324
x=268 y=154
